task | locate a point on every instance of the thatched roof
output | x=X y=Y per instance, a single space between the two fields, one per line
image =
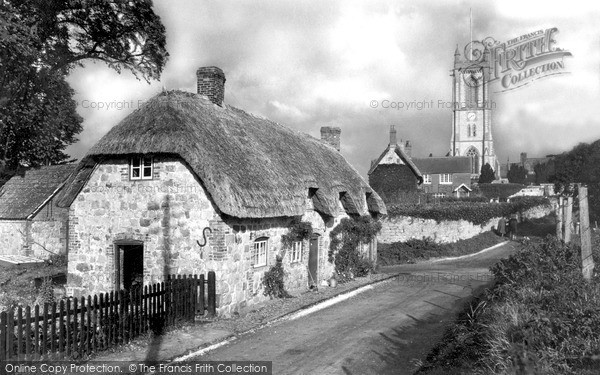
x=251 y=167
x=26 y=194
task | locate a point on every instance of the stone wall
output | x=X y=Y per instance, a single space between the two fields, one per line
x=12 y=237
x=404 y=228
x=48 y=231
x=168 y=215
x=538 y=212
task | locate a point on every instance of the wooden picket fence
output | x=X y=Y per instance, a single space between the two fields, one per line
x=73 y=328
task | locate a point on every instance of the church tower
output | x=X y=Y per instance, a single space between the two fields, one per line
x=471 y=112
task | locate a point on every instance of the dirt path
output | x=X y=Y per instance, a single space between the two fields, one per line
x=386 y=330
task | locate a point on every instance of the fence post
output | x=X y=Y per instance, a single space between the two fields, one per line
x=3 y=334
x=585 y=234
x=559 y=219
x=212 y=293
x=10 y=331
x=201 y=295
x=568 y=219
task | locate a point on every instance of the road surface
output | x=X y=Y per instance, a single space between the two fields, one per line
x=386 y=330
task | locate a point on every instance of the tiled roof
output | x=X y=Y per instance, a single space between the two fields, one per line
x=449 y=164
x=23 y=194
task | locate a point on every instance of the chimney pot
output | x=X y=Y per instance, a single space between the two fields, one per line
x=211 y=83
x=331 y=136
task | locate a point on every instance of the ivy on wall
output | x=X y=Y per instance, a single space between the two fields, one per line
x=344 y=247
x=297 y=231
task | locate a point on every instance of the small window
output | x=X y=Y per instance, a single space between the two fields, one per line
x=426 y=178
x=445 y=178
x=296 y=255
x=259 y=255
x=141 y=168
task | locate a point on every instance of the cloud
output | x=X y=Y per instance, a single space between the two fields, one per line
x=310 y=64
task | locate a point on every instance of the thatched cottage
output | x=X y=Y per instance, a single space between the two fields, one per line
x=31 y=224
x=187 y=184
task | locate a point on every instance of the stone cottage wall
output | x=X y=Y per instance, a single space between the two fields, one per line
x=12 y=237
x=48 y=231
x=169 y=214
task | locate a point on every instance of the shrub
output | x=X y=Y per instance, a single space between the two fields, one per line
x=58 y=260
x=298 y=231
x=541 y=316
x=423 y=249
x=273 y=281
x=476 y=213
x=346 y=240
x=501 y=191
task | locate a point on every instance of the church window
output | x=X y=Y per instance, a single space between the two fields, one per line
x=474 y=155
x=474 y=131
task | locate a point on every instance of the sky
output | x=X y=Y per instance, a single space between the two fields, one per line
x=308 y=64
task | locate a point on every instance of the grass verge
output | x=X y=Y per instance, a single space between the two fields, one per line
x=415 y=250
x=540 y=317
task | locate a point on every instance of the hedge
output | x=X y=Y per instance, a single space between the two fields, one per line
x=501 y=191
x=476 y=213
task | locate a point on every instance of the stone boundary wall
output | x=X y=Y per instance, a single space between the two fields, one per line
x=404 y=228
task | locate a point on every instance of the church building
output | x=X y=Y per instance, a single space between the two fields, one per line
x=472 y=113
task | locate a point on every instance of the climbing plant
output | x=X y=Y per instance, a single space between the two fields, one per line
x=298 y=231
x=345 y=243
x=273 y=281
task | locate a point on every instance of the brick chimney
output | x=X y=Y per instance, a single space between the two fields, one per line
x=331 y=136
x=393 y=139
x=211 y=83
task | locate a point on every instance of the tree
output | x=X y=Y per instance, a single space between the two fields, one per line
x=41 y=42
x=517 y=174
x=487 y=174
x=543 y=171
x=580 y=165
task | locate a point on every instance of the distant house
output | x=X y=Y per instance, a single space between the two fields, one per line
x=31 y=224
x=394 y=175
x=445 y=176
x=186 y=184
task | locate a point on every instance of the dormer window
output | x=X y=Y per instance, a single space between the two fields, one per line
x=141 y=168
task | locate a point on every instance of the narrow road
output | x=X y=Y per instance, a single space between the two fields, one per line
x=386 y=330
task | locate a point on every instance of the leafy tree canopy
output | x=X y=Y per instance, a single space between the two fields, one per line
x=517 y=174
x=41 y=42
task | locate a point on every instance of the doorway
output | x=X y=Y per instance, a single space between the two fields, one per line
x=313 y=261
x=129 y=262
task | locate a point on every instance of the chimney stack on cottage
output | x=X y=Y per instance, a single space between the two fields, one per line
x=331 y=136
x=211 y=83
